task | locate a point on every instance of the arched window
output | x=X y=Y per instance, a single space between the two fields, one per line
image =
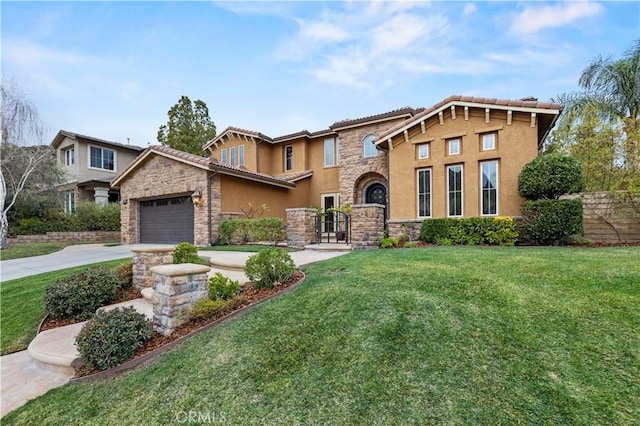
x=369 y=148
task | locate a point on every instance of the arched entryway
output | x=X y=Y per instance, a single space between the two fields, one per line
x=377 y=193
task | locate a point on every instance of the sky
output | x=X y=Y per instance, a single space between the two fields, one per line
x=112 y=70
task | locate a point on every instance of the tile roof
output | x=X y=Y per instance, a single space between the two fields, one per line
x=73 y=135
x=388 y=114
x=292 y=177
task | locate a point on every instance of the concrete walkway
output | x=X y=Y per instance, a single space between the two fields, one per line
x=24 y=378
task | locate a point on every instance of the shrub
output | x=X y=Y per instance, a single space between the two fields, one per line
x=389 y=242
x=434 y=229
x=269 y=267
x=552 y=221
x=79 y=295
x=186 y=253
x=470 y=231
x=113 y=337
x=222 y=288
x=91 y=216
x=550 y=176
x=206 y=309
x=263 y=229
x=124 y=272
x=227 y=229
x=403 y=239
x=409 y=244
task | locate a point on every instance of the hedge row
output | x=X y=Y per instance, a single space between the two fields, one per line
x=88 y=216
x=470 y=230
x=245 y=230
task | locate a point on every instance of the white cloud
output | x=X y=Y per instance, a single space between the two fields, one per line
x=24 y=53
x=536 y=18
x=322 y=31
x=469 y=9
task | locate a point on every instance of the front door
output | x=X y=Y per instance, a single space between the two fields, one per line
x=329 y=202
x=377 y=193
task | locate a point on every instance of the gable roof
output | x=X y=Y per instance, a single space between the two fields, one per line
x=62 y=134
x=396 y=113
x=205 y=163
x=523 y=105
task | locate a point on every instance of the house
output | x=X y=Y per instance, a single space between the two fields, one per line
x=461 y=157
x=90 y=164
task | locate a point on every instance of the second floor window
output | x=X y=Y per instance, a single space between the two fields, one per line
x=423 y=151
x=102 y=158
x=241 y=155
x=454 y=146
x=488 y=141
x=288 y=158
x=331 y=151
x=232 y=156
x=70 y=157
x=369 y=147
x=223 y=156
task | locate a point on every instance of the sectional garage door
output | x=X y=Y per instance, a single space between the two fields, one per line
x=169 y=220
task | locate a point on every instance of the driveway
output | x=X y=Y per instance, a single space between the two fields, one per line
x=68 y=257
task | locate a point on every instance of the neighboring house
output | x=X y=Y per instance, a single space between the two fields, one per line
x=460 y=157
x=90 y=164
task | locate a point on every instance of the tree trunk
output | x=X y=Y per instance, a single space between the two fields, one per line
x=4 y=230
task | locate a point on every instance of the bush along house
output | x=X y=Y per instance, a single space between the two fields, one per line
x=458 y=158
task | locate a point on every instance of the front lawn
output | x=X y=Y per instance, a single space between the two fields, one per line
x=443 y=335
x=19 y=251
x=22 y=306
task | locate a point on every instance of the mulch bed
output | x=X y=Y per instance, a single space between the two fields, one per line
x=248 y=296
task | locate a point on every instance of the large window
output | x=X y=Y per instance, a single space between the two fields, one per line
x=288 y=158
x=424 y=193
x=223 y=155
x=241 y=155
x=369 y=148
x=331 y=151
x=70 y=157
x=454 y=185
x=489 y=184
x=102 y=158
x=232 y=156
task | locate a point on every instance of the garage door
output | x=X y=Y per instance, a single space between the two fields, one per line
x=169 y=220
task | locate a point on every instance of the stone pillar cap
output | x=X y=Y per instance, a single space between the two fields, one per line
x=180 y=269
x=152 y=248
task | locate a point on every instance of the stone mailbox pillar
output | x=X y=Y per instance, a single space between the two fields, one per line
x=176 y=288
x=145 y=258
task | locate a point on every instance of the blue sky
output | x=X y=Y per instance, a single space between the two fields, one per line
x=113 y=69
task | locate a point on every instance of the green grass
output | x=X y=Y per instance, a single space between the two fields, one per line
x=445 y=335
x=28 y=250
x=252 y=248
x=22 y=306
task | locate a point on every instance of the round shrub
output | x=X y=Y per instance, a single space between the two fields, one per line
x=222 y=288
x=186 y=253
x=552 y=221
x=79 y=295
x=269 y=267
x=113 y=337
x=549 y=177
x=206 y=309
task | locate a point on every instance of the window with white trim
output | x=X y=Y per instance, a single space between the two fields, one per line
x=423 y=151
x=102 y=158
x=331 y=151
x=232 y=156
x=369 y=149
x=454 y=191
x=424 y=193
x=69 y=202
x=241 y=155
x=489 y=188
x=70 y=157
x=288 y=158
x=223 y=155
x=488 y=141
x=453 y=146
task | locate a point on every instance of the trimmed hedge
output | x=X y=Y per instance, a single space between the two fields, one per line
x=89 y=216
x=262 y=229
x=552 y=221
x=549 y=177
x=470 y=230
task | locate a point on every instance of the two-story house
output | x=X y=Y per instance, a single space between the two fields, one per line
x=460 y=157
x=90 y=164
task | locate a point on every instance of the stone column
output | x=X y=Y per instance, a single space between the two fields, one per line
x=176 y=289
x=101 y=195
x=145 y=258
x=301 y=227
x=367 y=226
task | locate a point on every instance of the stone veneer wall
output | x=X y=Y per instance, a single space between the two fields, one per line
x=147 y=257
x=301 y=227
x=411 y=227
x=161 y=177
x=68 y=237
x=367 y=226
x=353 y=166
x=177 y=288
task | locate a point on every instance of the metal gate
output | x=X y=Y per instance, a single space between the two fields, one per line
x=333 y=228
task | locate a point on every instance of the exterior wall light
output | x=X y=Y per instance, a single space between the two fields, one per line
x=196 y=197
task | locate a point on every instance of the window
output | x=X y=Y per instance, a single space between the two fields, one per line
x=288 y=158
x=424 y=193
x=369 y=147
x=69 y=202
x=102 y=158
x=241 y=155
x=488 y=141
x=232 y=156
x=331 y=151
x=454 y=185
x=223 y=156
x=489 y=185
x=423 y=151
x=70 y=157
x=454 y=146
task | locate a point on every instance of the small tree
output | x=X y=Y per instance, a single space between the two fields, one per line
x=189 y=127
